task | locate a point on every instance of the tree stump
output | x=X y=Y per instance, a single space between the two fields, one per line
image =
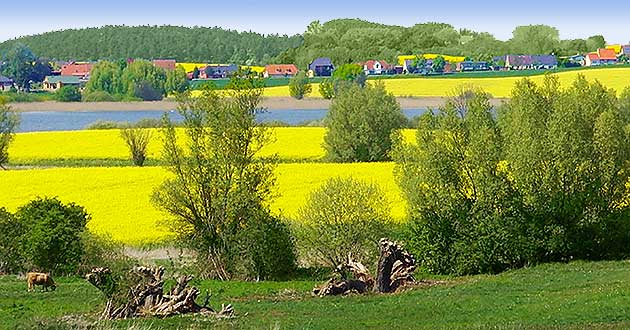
x=143 y=295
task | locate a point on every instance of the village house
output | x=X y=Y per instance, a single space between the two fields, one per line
x=77 y=69
x=376 y=67
x=53 y=83
x=168 y=65
x=5 y=83
x=602 y=56
x=217 y=71
x=280 y=70
x=321 y=67
x=531 y=62
x=472 y=66
x=625 y=50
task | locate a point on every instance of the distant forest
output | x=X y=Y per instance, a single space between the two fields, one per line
x=196 y=44
x=344 y=40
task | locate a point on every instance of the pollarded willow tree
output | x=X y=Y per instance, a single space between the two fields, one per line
x=546 y=181
x=9 y=121
x=220 y=188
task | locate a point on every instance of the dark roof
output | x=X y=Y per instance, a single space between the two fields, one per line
x=545 y=60
x=625 y=49
x=5 y=80
x=321 y=61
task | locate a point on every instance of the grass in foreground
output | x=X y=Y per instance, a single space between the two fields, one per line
x=578 y=295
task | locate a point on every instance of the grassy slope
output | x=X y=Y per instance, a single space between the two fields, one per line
x=578 y=295
x=617 y=78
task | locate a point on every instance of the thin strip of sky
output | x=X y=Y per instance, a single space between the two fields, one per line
x=291 y=17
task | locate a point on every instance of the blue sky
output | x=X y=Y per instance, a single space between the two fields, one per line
x=573 y=19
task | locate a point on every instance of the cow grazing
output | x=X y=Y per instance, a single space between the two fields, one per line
x=43 y=279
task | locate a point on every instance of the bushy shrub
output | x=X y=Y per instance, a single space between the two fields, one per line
x=11 y=254
x=362 y=124
x=98 y=96
x=52 y=239
x=300 y=86
x=327 y=89
x=344 y=216
x=102 y=251
x=68 y=94
x=137 y=140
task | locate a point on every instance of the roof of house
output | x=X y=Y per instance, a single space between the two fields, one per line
x=321 y=61
x=370 y=64
x=545 y=59
x=68 y=80
x=281 y=69
x=165 y=64
x=76 y=69
x=5 y=80
x=519 y=60
x=606 y=54
x=592 y=56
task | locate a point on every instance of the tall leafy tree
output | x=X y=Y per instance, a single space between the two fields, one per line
x=9 y=121
x=20 y=65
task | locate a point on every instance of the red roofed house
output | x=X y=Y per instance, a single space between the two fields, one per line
x=372 y=67
x=601 y=57
x=165 y=64
x=77 y=69
x=280 y=70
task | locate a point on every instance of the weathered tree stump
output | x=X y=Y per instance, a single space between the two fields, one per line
x=395 y=269
x=143 y=295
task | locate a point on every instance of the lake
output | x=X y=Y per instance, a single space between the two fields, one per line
x=72 y=121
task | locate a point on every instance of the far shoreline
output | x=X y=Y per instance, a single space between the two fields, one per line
x=270 y=103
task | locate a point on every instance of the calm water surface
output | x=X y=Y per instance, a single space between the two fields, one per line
x=72 y=121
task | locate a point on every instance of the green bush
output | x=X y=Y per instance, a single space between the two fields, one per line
x=11 y=254
x=102 y=251
x=344 y=216
x=362 y=124
x=98 y=96
x=52 y=239
x=327 y=89
x=68 y=94
x=299 y=86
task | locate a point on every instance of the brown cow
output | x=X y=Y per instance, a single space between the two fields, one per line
x=43 y=279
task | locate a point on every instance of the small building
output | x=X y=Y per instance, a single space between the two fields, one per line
x=53 y=83
x=602 y=56
x=472 y=66
x=625 y=50
x=280 y=70
x=321 y=67
x=544 y=62
x=519 y=62
x=78 y=69
x=5 y=83
x=217 y=71
x=168 y=65
x=376 y=67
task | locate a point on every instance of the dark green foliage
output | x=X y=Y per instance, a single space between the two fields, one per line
x=176 y=81
x=269 y=242
x=19 y=64
x=219 y=192
x=197 y=44
x=347 y=72
x=11 y=254
x=98 y=96
x=438 y=64
x=344 y=216
x=300 y=86
x=68 y=94
x=9 y=121
x=547 y=182
x=105 y=77
x=52 y=239
x=147 y=92
x=143 y=80
x=361 y=123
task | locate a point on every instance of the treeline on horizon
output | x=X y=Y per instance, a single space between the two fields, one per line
x=343 y=40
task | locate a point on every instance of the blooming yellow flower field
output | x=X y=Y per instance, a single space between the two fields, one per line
x=617 y=78
x=119 y=198
x=290 y=144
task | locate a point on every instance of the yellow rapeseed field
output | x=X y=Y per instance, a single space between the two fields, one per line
x=617 y=78
x=119 y=198
x=290 y=144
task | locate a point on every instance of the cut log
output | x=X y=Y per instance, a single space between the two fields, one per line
x=361 y=281
x=145 y=296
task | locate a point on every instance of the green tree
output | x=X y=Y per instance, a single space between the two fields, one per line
x=68 y=94
x=176 y=81
x=595 y=42
x=300 y=86
x=535 y=39
x=343 y=216
x=219 y=193
x=105 y=77
x=52 y=239
x=362 y=123
x=144 y=80
x=11 y=254
x=9 y=121
x=137 y=140
x=19 y=65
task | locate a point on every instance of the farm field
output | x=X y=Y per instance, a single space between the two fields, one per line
x=617 y=78
x=291 y=144
x=118 y=198
x=577 y=295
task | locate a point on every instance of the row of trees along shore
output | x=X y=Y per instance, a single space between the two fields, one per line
x=542 y=178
